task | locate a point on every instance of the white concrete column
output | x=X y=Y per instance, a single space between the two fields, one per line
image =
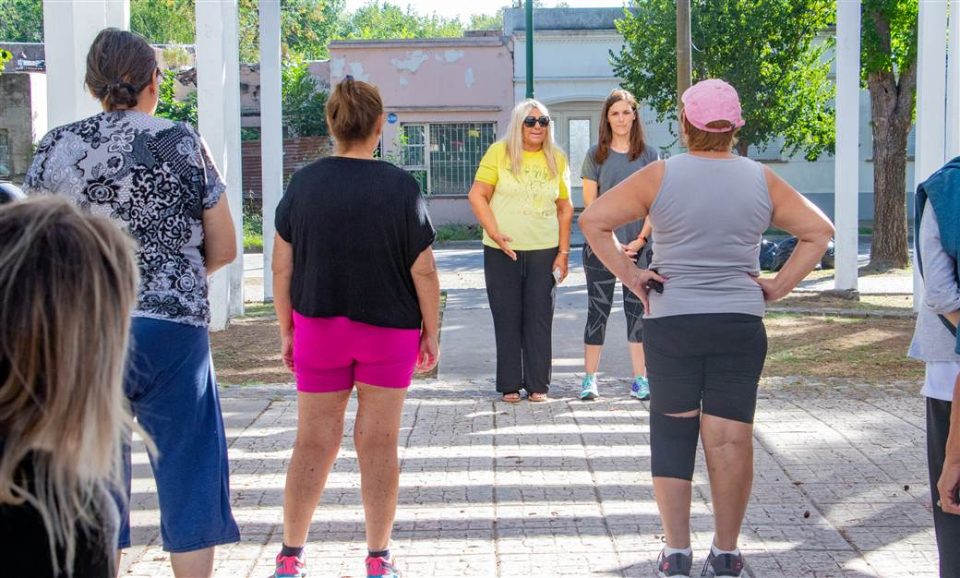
x=953 y=84
x=271 y=131
x=218 y=99
x=847 y=160
x=69 y=27
x=931 y=102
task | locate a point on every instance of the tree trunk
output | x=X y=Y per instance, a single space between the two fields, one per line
x=743 y=147
x=891 y=112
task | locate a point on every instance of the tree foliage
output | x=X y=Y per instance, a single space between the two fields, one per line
x=163 y=21
x=21 y=20
x=304 y=103
x=377 y=20
x=769 y=50
x=176 y=110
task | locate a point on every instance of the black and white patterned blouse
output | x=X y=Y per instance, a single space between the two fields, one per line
x=156 y=178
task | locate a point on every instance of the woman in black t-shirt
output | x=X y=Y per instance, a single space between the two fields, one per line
x=62 y=410
x=357 y=297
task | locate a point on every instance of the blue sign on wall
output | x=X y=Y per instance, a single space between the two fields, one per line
x=392 y=118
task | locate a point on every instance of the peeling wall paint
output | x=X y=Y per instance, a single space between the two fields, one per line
x=452 y=56
x=336 y=67
x=412 y=62
x=356 y=69
x=468 y=78
x=403 y=81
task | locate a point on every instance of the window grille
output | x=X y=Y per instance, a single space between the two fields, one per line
x=444 y=157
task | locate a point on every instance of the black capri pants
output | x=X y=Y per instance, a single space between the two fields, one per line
x=709 y=362
x=601 y=284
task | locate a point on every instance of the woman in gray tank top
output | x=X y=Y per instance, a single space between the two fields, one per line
x=704 y=338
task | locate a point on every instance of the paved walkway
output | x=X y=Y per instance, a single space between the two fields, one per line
x=563 y=488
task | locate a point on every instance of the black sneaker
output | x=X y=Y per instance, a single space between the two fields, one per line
x=674 y=565
x=723 y=565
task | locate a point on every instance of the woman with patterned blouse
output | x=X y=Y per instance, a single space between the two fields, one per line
x=156 y=180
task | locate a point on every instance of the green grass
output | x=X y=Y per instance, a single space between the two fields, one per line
x=252 y=233
x=458 y=232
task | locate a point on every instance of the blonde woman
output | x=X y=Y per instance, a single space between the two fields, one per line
x=62 y=412
x=521 y=197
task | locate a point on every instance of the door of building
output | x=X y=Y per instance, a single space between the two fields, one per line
x=577 y=125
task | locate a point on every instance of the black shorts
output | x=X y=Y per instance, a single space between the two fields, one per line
x=709 y=362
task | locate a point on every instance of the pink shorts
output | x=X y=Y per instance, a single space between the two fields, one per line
x=333 y=353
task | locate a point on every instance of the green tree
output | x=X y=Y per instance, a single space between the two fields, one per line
x=889 y=69
x=164 y=21
x=486 y=21
x=381 y=21
x=768 y=49
x=304 y=103
x=176 y=110
x=21 y=20
x=307 y=27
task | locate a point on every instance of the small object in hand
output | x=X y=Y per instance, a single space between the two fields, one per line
x=939 y=505
x=654 y=285
x=556 y=276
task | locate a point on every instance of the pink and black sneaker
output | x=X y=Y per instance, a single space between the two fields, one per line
x=290 y=567
x=380 y=567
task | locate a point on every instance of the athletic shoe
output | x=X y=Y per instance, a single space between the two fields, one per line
x=640 y=388
x=674 y=565
x=290 y=567
x=723 y=565
x=588 y=388
x=381 y=568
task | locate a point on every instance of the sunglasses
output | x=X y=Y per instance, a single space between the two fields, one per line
x=530 y=121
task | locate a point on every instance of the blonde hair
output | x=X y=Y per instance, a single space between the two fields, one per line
x=514 y=137
x=68 y=283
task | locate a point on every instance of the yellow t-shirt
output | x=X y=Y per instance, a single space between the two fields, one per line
x=525 y=205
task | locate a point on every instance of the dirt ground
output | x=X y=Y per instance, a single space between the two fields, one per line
x=867 y=343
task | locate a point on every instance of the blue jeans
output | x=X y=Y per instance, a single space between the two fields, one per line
x=173 y=394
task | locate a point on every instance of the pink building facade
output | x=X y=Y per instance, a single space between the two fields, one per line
x=446 y=101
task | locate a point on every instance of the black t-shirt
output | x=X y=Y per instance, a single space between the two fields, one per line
x=356 y=227
x=24 y=545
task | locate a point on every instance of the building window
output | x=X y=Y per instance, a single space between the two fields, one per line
x=6 y=163
x=444 y=157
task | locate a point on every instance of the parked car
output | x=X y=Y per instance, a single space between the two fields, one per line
x=9 y=192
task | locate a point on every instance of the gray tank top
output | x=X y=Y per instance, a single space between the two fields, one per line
x=709 y=217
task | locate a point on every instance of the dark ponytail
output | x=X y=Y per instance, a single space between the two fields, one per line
x=353 y=110
x=120 y=65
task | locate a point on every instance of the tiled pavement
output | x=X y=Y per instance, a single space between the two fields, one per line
x=563 y=488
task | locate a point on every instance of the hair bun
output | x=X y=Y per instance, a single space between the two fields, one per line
x=122 y=94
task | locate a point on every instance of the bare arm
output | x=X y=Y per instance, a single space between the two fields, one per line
x=590 y=189
x=479 y=197
x=793 y=213
x=628 y=201
x=427 y=283
x=219 y=236
x=282 y=273
x=565 y=216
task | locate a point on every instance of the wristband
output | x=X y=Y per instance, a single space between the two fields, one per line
x=564 y=252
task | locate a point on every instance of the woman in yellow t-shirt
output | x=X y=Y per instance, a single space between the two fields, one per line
x=521 y=197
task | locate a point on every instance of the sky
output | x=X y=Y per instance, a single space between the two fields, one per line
x=463 y=10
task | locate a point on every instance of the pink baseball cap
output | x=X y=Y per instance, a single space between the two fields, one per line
x=711 y=100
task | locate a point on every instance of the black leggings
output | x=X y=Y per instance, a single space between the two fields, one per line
x=600 y=287
x=947 y=526
x=521 y=295
x=708 y=362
